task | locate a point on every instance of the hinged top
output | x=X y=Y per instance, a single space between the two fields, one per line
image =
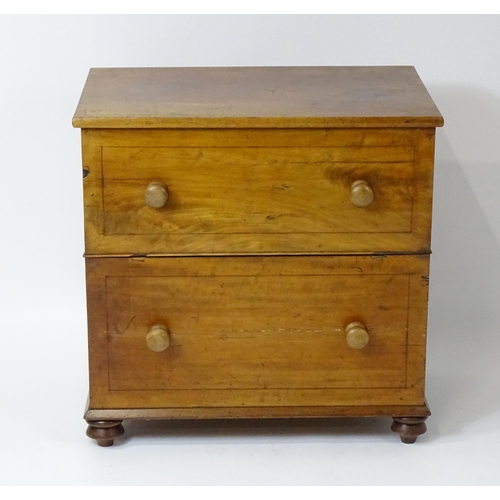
x=261 y=97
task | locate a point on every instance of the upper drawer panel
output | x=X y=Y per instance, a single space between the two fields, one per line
x=256 y=190
x=258 y=194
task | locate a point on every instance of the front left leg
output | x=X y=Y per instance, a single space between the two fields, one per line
x=105 y=431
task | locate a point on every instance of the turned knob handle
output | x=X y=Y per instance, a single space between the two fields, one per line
x=356 y=335
x=361 y=194
x=156 y=194
x=158 y=338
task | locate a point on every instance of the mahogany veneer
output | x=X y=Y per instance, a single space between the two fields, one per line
x=257 y=243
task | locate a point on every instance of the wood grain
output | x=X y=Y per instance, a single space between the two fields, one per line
x=253 y=331
x=267 y=97
x=256 y=332
x=257 y=243
x=258 y=199
x=255 y=191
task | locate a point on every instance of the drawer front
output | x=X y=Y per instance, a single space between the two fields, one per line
x=246 y=332
x=257 y=190
x=250 y=197
x=255 y=331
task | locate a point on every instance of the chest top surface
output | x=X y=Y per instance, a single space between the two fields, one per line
x=256 y=97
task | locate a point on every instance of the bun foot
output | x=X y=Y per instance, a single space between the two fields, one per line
x=409 y=428
x=105 y=431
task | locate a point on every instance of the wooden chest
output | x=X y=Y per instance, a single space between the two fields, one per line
x=257 y=243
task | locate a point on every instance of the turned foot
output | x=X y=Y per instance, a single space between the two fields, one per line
x=409 y=428
x=105 y=431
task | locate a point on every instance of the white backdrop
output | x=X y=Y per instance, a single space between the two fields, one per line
x=43 y=65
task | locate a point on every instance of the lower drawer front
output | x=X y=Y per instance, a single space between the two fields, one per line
x=257 y=331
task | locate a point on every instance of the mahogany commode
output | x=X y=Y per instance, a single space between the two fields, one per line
x=257 y=243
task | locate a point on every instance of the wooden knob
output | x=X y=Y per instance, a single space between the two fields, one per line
x=356 y=335
x=158 y=338
x=361 y=194
x=156 y=194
